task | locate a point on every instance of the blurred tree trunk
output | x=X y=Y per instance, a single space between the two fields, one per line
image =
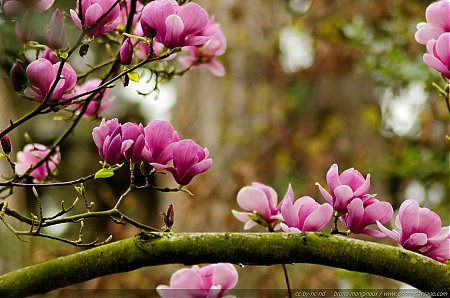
x=13 y=250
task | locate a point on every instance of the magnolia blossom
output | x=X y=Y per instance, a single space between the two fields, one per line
x=12 y=7
x=159 y=134
x=438 y=56
x=305 y=215
x=98 y=104
x=188 y=160
x=344 y=188
x=108 y=138
x=438 y=22
x=420 y=230
x=92 y=11
x=261 y=202
x=206 y=54
x=135 y=133
x=30 y=156
x=206 y=282
x=42 y=74
x=365 y=212
x=55 y=31
x=174 y=25
x=49 y=54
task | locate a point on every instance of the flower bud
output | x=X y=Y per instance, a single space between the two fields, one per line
x=55 y=31
x=169 y=217
x=17 y=76
x=126 y=52
x=5 y=141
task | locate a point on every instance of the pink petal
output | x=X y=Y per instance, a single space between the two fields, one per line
x=381 y=211
x=364 y=188
x=332 y=177
x=249 y=224
x=216 y=68
x=415 y=240
x=289 y=213
x=318 y=218
x=391 y=234
x=437 y=64
x=174 y=28
x=325 y=193
x=373 y=233
x=409 y=218
x=242 y=216
x=253 y=199
x=355 y=215
x=343 y=194
x=437 y=14
x=194 y=18
x=225 y=275
x=93 y=13
x=426 y=32
x=287 y=229
x=443 y=47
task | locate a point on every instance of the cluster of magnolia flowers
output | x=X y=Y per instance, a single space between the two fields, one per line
x=417 y=229
x=435 y=34
x=158 y=143
x=157 y=27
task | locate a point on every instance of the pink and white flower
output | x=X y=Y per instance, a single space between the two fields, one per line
x=304 y=215
x=210 y=281
x=92 y=11
x=42 y=74
x=350 y=184
x=438 y=22
x=420 y=230
x=174 y=25
x=260 y=202
x=31 y=156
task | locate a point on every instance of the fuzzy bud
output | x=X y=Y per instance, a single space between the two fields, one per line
x=5 y=141
x=126 y=52
x=17 y=76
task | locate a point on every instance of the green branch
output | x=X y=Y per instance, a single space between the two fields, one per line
x=150 y=249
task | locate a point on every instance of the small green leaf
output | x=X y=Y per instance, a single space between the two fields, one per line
x=35 y=192
x=62 y=54
x=80 y=189
x=2 y=155
x=104 y=173
x=134 y=76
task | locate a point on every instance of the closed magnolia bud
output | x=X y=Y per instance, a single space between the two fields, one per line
x=169 y=217
x=55 y=31
x=5 y=141
x=17 y=76
x=126 y=52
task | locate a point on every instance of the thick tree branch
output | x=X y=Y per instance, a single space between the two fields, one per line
x=149 y=249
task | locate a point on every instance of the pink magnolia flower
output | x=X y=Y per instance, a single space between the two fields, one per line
x=108 y=138
x=55 y=32
x=206 y=282
x=305 y=215
x=438 y=22
x=98 y=104
x=135 y=133
x=159 y=134
x=206 y=54
x=30 y=156
x=174 y=25
x=438 y=56
x=13 y=7
x=42 y=73
x=344 y=188
x=92 y=11
x=188 y=158
x=365 y=212
x=261 y=202
x=420 y=230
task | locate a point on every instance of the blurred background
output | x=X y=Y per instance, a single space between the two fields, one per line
x=309 y=83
